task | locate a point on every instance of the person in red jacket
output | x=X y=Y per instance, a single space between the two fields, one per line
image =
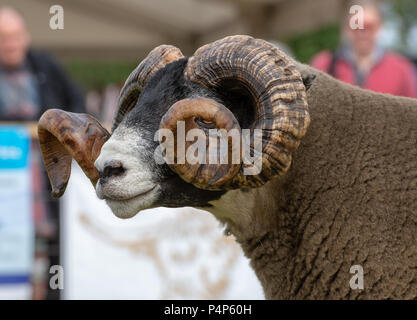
x=361 y=61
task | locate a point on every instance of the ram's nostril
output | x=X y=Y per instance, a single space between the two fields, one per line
x=112 y=169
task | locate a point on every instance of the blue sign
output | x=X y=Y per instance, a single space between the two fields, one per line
x=16 y=206
x=14 y=147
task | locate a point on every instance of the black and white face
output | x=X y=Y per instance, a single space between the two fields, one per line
x=130 y=178
x=235 y=88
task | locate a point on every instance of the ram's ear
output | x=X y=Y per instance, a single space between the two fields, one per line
x=308 y=80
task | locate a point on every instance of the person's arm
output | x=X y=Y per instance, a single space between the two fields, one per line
x=321 y=61
x=411 y=89
x=408 y=72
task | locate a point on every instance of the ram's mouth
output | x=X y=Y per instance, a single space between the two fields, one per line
x=142 y=194
x=129 y=206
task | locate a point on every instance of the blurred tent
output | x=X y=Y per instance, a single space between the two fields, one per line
x=130 y=28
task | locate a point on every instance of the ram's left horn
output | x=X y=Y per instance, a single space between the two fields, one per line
x=65 y=135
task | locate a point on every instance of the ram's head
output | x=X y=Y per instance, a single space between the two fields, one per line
x=235 y=83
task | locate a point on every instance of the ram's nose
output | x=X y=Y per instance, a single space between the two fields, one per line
x=109 y=168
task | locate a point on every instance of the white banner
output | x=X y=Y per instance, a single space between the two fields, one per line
x=159 y=254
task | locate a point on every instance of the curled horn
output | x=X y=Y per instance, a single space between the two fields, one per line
x=66 y=135
x=156 y=59
x=204 y=114
x=278 y=93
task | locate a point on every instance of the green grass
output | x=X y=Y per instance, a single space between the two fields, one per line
x=95 y=75
x=306 y=45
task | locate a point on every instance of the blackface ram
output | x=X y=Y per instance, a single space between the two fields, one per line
x=338 y=182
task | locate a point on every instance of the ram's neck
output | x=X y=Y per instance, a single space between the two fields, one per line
x=252 y=216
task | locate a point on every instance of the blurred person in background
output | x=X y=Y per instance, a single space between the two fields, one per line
x=360 y=60
x=30 y=82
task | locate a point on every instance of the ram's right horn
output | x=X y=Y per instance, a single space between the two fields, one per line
x=205 y=114
x=65 y=135
x=279 y=100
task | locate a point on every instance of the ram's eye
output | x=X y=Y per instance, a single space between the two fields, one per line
x=205 y=123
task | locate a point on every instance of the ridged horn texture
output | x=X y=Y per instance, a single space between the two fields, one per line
x=66 y=135
x=208 y=170
x=156 y=59
x=278 y=92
